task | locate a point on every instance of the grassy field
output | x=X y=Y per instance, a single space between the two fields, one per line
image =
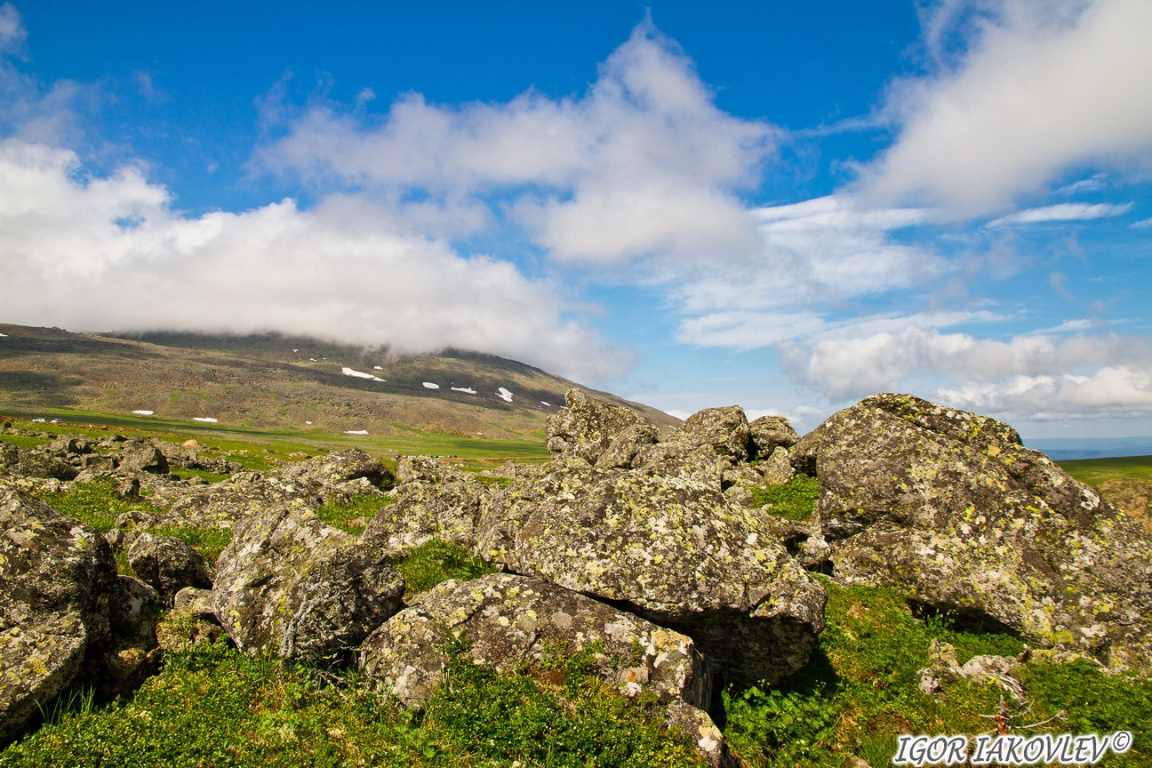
x=253 y=447
x=1098 y=471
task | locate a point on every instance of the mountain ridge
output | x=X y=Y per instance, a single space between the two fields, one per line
x=275 y=381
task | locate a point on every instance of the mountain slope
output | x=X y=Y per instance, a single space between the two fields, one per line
x=271 y=381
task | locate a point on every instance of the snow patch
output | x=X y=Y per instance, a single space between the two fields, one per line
x=545 y=402
x=205 y=419
x=355 y=431
x=144 y=413
x=430 y=385
x=377 y=368
x=3 y=335
x=40 y=420
x=359 y=374
x=504 y=395
x=465 y=390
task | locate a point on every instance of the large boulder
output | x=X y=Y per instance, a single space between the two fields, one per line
x=771 y=432
x=142 y=456
x=301 y=589
x=509 y=621
x=950 y=507
x=424 y=511
x=167 y=564
x=587 y=427
x=671 y=550
x=711 y=447
x=56 y=576
x=333 y=470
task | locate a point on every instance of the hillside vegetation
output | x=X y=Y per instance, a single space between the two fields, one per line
x=273 y=383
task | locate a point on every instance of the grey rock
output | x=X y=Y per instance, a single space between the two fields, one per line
x=301 y=589
x=56 y=577
x=771 y=432
x=423 y=511
x=504 y=620
x=673 y=551
x=951 y=508
x=587 y=427
x=167 y=564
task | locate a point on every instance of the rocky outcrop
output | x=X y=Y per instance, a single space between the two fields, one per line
x=671 y=550
x=509 y=621
x=167 y=564
x=950 y=506
x=505 y=620
x=771 y=432
x=56 y=576
x=343 y=473
x=423 y=511
x=301 y=589
x=587 y=428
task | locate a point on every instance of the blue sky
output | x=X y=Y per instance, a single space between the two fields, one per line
x=788 y=206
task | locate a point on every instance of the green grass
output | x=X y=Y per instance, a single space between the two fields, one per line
x=24 y=442
x=213 y=707
x=794 y=500
x=860 y=691
x=436 y=561
x=1098 y=471
x=360 y=507
x=247 y=445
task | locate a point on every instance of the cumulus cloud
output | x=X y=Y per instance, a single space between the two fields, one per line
x=101 y=253
x=854 y=364
x=1115 y=391
x=1038 y=90
x=642 y=165
x=12 y=32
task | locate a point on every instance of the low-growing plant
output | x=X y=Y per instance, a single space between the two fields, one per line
x=342 y=514
x=94 y=503
x=794 y=500
x=435 y=561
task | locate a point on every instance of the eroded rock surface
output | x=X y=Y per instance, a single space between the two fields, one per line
x=587 y=428
x=671 y=550
x=425 y=510
x=952 y=508
x=302 y=589
x=167 y=564
x=56 y=576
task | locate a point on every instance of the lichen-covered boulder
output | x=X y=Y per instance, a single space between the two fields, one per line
x=424 y=511
x=673 y=551
x=771 y=432
x=950 y=507
x=303 y=590
x=167 y=564
x=142 y=456
x=724 y=430
x=711 y=447
x=587 y=426
x=335 y=469
x=506 y=620
x=56 y=576
x=428 y=469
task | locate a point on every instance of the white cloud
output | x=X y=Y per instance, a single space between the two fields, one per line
x=1116 y=391
x=1142 y=224
x=642 y=165
x=1042 y=88
x=857 y=363
x=108 y=253
x=1062 y=212
x=12 y=32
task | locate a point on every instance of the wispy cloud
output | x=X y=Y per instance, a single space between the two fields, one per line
x=1062 y=212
